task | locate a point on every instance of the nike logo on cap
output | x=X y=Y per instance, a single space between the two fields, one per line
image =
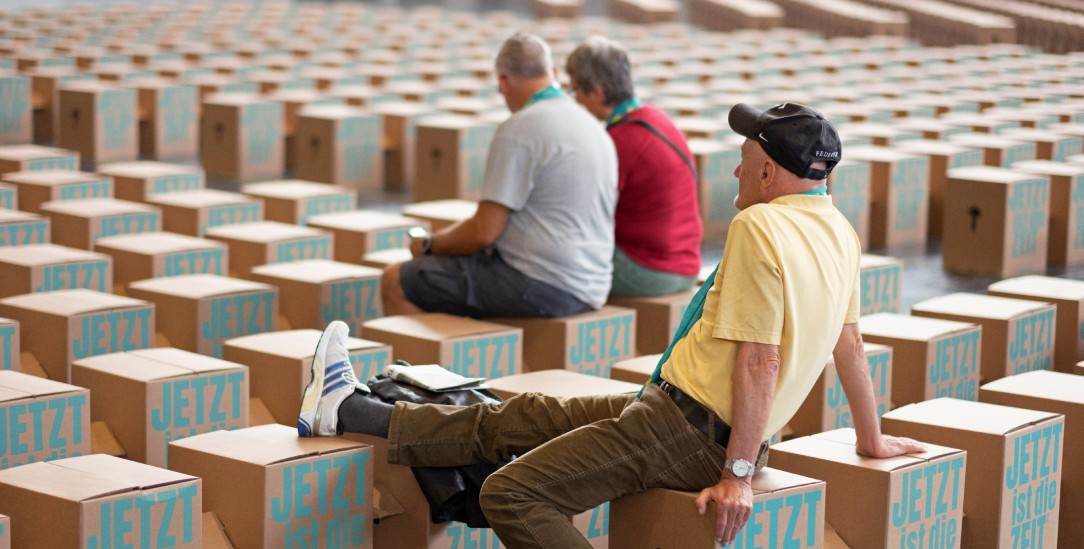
x=761 y=135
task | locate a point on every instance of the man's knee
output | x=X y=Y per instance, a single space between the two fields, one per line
x=497 y=492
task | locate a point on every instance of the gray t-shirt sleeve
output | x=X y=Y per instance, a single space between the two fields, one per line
x=508 y=180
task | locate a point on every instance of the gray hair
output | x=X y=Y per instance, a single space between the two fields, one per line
x=524 y=56
x=603 y=63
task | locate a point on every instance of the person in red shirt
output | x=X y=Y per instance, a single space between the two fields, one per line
x=657 y=222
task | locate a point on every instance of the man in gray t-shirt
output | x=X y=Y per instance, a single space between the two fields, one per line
x=542 y=240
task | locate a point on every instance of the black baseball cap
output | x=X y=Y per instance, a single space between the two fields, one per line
x=793 y=135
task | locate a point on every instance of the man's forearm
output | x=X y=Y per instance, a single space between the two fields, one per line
x=754 y=380
x=854 y=375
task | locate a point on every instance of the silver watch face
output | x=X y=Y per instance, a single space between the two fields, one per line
x=741 y=468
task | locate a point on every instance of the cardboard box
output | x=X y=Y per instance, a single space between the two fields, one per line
x=37 y=188
x=997 y=150
x=33 y=158
x=193 y=212
x=468 y=347
x=45 y=86
x=295 y=201
x=280 y=365
x=635 y=370
x=206 y=310
x=386 y=258
x=451 y=157
x=340 y=145
x=717 y=186
x=826 y=407
x=1048 y=145
x=1065 y=243
x=1068 y=296
x=101 y=501
x=266 y=242
x=317 y=291
x=159 y=395
x=100 y=121
x=400 y=121
x=996 y=222
x=441 y=213
x=943 y=156
x=588 y=343
x=48 y=267
x=910 y=500
x=930 y=358
x=360 y=232
x=657 y=319
x=9 y=197
x=241 y=137
x=20 y=229
x=79 y=223
x=881 y=279
x=271 y=488
x=1017 y=335
x=153 y=255
x=849 y=186
x=561 y=383
x=1014 y=472
x=1060 y=393
x=48 y=420
x=169 y=119
x=9 y=344
x=136 y=181
x=15 y=121
x=74 y=324
x=788 y=510
x=899 y=193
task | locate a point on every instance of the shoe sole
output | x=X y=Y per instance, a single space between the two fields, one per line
x=311 y=397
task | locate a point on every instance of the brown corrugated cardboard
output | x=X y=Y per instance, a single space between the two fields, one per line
x=400 y=137
x=1048 y=145
x=280 y=365
x=635 y=370
x=1014 y=466
x=468 y=347
x=899 y=193
x=588 y=343
x=359 y=232
x=19 y=228
x=159 y=395
x=881 y=279
x=1017 y=335
x=100 y=501
x=33 y=158
x=168 y=119
x=386 y=258
x=214 y=534
x=9 y=344
x=153 y=255
x=914 y=500
x=717 y=186
x=998 y=151
x=241 y=137
x=562 y=383
x=47 y=420
x=9 y=197
x=1065 y=245
x=657 y=318
x=48 y=267
x=15 y=125
x=295 y=201
x=441 y=213
x=136 y=181
x=315 y=292
x=1068 y=296
x=943 y=156
x=102 y=440
x=271 y=488
x=826 y=406
x=78 y=223
x=206 y=310
x=849 y=186
x=996 y=222
x=451 y=157
x=264 y=242
x=38 y=187
x=340 y=145
x=193 y=212
x=74 y=324
x=788 y=510
x=100 y=121
x=930 y=358
x=1059 y=393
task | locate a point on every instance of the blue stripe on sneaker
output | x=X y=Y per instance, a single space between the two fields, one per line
x=336 y=368
x=336 y=385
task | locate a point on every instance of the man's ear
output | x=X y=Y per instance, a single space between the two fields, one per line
x=768 y=173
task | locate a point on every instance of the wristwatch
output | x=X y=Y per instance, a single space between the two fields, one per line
x=740 y=468
x=426 y=238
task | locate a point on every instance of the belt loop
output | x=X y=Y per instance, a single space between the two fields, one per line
x=711 y=426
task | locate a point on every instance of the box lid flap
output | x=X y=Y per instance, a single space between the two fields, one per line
x=72 y=302
x=96 y=206
x=910 y=327
x=968 y=415
x=198 y=286
x=29 y=385
x=129 y=366
x=32 y=152
x=51 y=178
x=990 y=174
x=871 y=153
x=263 y=231
x=561 y=383
x=293 y=189
x=980 y=306
x=62 y=482
x=125 y=472
x=186 y=360
x=770 y=480
x=931 y=147
x=147 y=169
x=155 y=243
x=316 y=271
x=361 y=221
x=1041 y=286
x=1047 y=167
x=433 y=326
x=294 y=344
x=203 y=198
x=868 y=261
x=15 y=216
x=848 y=438
x=1042 y=384
x=452 y=209
x=264 y=444
x=32 y=255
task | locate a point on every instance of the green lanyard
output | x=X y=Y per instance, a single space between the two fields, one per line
x=820 y=191
x=549 y=92
x=621 y=110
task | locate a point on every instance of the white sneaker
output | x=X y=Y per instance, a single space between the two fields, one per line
x=332 y=381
